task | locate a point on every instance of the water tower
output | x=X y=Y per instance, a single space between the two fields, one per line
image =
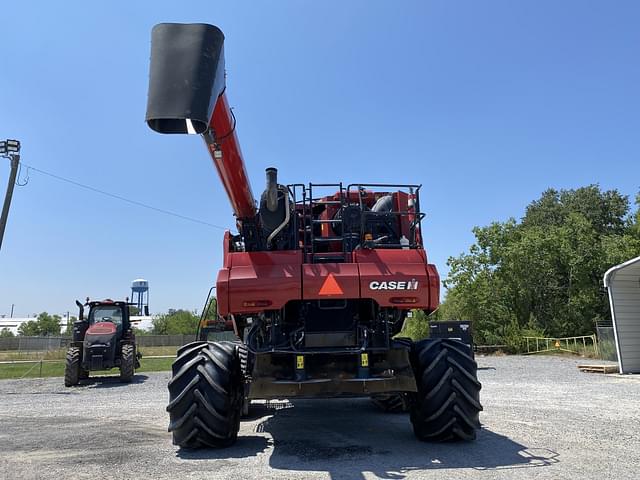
x=139 y=288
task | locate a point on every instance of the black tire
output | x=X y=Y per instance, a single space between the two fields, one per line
x=391 y=402
x=243 y=354
x=447 y=404
x=72 y=367
x=127 y=363
x=206 y=395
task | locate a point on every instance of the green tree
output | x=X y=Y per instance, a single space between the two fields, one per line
x=44 y=325
x=5 y=332
x=212 y=309
x=175 y=322
x=29 y=329
x=543 y=275
x=416 y=326
x=140 y=332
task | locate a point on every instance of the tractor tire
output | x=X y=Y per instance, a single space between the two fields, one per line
x=206 y=395
x=127 y=363
x=391 y=402
x=447 y=404
x=72 y=367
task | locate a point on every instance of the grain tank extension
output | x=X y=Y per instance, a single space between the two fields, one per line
x=316 y=283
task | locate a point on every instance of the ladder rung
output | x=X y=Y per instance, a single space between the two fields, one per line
x=327 y=258
x=327 y=239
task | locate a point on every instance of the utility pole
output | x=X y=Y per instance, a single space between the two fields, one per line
x=9 y=149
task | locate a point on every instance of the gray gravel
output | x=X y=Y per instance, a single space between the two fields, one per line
x=542 y=419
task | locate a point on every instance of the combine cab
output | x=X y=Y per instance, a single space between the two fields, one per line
x=316 y=284
x=102 y=341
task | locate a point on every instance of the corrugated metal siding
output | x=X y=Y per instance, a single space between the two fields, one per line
x=624 y=291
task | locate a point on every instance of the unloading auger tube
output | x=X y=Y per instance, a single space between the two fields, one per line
x=316 y=285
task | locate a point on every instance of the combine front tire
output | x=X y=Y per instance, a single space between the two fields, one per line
x=72 y=367
x=447 y=404
x=206 y=395
x=127 y=363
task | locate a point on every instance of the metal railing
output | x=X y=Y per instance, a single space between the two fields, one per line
x=563 y=344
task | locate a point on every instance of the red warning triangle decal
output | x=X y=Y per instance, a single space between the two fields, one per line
x=330 y=287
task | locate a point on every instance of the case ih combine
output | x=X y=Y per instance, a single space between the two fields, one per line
x=315 y=284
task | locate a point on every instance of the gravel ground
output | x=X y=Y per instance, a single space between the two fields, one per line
x=542 y=419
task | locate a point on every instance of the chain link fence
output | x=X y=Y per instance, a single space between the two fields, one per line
x=45 y=344
x=607 y=342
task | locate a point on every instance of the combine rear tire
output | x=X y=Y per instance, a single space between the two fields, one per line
x=72 y=367
x=447 y=404
x=127 y=363
x=206 y=395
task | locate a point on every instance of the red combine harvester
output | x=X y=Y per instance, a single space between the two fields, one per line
x=315 y=284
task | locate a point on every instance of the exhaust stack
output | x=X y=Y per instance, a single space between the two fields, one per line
x=272 y=189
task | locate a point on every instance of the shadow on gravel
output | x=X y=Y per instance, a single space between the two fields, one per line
x=112 y=381
x=348 y=438
x=246 y=446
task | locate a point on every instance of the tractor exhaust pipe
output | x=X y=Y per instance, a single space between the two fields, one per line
x=81 y=312
x=272 y=189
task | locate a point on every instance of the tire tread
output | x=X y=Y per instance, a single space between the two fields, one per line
x=447 y=404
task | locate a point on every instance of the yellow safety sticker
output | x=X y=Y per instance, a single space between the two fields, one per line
x=364 y=360
x=300 y=362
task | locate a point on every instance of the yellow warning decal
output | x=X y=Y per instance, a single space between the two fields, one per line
x=300 y=362
x=364 y=360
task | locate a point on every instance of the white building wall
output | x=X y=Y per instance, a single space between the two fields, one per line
x=623 y=284
x=14 y=323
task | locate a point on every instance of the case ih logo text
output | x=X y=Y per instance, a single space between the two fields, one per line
x=394 y=285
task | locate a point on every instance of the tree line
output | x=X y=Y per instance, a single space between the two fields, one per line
x=174 y=322
x=180 y=322
x=44 y=325
x=543 y=275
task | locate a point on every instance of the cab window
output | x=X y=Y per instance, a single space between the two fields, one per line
x=106 y=313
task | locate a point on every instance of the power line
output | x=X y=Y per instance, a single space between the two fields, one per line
x=121 y=198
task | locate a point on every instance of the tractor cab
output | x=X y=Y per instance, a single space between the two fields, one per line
x=116 y=313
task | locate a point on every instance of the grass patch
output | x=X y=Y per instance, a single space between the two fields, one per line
x=56 y=368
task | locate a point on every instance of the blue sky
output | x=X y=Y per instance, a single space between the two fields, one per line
x=485 y=103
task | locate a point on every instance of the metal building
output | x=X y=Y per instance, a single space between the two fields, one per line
x=623 y=284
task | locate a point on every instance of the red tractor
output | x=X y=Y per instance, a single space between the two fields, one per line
x=316 y=284
x=102 y=341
